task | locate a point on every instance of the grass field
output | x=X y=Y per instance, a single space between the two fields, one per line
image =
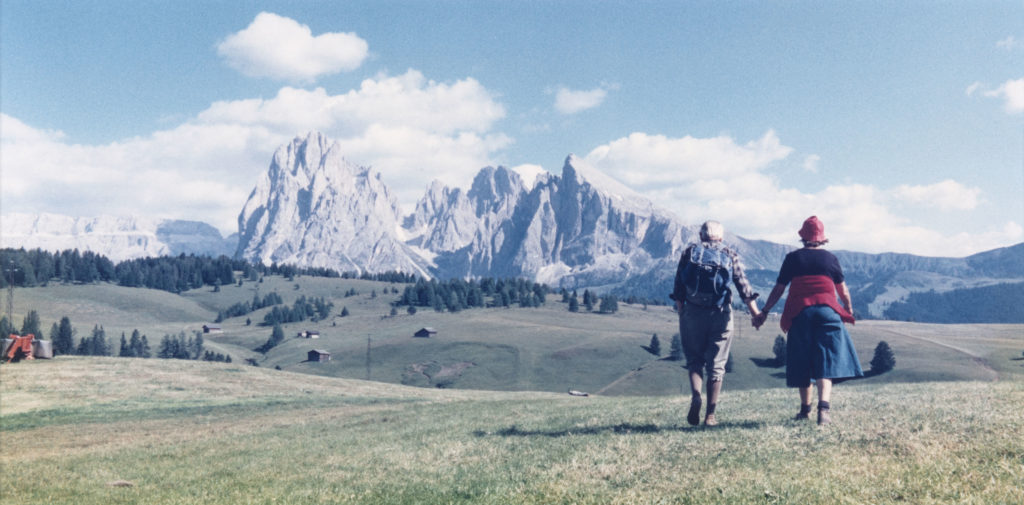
x=540 y=349
x=489 y=420
x=86 y=431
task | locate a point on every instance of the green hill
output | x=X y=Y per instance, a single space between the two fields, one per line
x=499 y=349
x=87 y=431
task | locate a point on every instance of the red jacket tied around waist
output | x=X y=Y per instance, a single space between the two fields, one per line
x=809 y=290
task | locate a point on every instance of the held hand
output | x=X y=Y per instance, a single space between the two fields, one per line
x=758 y=320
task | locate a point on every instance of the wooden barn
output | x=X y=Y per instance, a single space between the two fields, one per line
x=425 y=333
x=318 y=355
x=309 y=334
x=212 y=328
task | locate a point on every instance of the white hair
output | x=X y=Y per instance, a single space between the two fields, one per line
x=712 y=231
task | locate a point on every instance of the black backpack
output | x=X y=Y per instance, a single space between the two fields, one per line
x=706 y=276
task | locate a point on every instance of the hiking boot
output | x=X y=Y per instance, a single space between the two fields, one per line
x=710 y=420
x=804 y=414
x=694 y=416
x=824 y=417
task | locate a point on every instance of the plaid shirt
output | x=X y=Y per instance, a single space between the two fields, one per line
x=743 y=287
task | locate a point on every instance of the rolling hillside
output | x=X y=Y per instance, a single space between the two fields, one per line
x=91 y=431
x=514 y=349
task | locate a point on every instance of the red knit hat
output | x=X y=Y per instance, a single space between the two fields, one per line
x=813 y=230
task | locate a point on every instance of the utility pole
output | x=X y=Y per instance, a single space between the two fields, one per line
x=10 y=292
x=367 y=357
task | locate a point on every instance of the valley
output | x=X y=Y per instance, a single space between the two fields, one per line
x=545 y=348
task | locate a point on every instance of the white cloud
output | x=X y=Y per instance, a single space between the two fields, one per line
x=569 y=101
x=720 y=178
x=646 y=161
x=529 y=173
x=281 y=48
x=1013 y=93
x=1009 y=43
x=944 y=195
x=408 y=128
x=811 y=163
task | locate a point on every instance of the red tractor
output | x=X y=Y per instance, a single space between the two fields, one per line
x=21 y=347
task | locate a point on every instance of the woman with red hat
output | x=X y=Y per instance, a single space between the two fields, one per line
x=818 y=348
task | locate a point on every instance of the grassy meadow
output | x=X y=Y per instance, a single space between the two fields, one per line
x=514 y=349
x=479 y=413
x=88 y=431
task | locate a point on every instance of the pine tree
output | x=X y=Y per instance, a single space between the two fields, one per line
x=198 y=349
x=98 y=343
x=884 y=359
x=30 y=325
x=779 y=349
x=574 y=304
x=609 y=304
x=676 y=352
x=135 y=344
x=54 y=333
x=125 y=351
x=64 y=341
x=5 y=327
x=144 y=350
x=166 y=348
x=588 y=300
x=655 y=346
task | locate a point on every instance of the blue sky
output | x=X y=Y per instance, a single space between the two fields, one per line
x=901 y=124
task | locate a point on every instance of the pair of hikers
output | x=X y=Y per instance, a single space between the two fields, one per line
x=818 y=349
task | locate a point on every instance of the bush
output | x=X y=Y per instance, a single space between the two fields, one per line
x=884 y=359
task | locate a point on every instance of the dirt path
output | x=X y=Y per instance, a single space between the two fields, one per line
x=978 y=359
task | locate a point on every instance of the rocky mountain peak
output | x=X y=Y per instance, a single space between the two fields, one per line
x=314 y=208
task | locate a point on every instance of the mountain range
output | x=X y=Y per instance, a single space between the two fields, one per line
x=116 y=237
x=580 y=229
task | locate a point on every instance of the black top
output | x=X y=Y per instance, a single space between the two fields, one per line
x=810 y=262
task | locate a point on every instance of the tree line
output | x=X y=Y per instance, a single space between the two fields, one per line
x=96 y=343
x=314 y=308
x=459 y=294
x=609 y=304
x=168 y=273
x=243 y=308
x=990 y=304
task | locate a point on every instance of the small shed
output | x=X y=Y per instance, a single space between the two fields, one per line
x=425 y=333
x=309 y=334
x=212 y=328
x=318 y=355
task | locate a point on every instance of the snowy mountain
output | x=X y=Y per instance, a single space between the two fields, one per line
x=580 y=229
x=315 y=209
x=118 y=238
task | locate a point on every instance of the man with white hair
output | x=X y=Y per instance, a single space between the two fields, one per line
x=704 y=302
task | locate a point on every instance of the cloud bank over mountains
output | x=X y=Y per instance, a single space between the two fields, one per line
x=414 y=130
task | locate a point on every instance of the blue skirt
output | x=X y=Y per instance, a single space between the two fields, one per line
x=819 y=347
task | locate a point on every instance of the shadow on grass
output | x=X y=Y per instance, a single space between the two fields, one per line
x=620 y=429
x=768 y=362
